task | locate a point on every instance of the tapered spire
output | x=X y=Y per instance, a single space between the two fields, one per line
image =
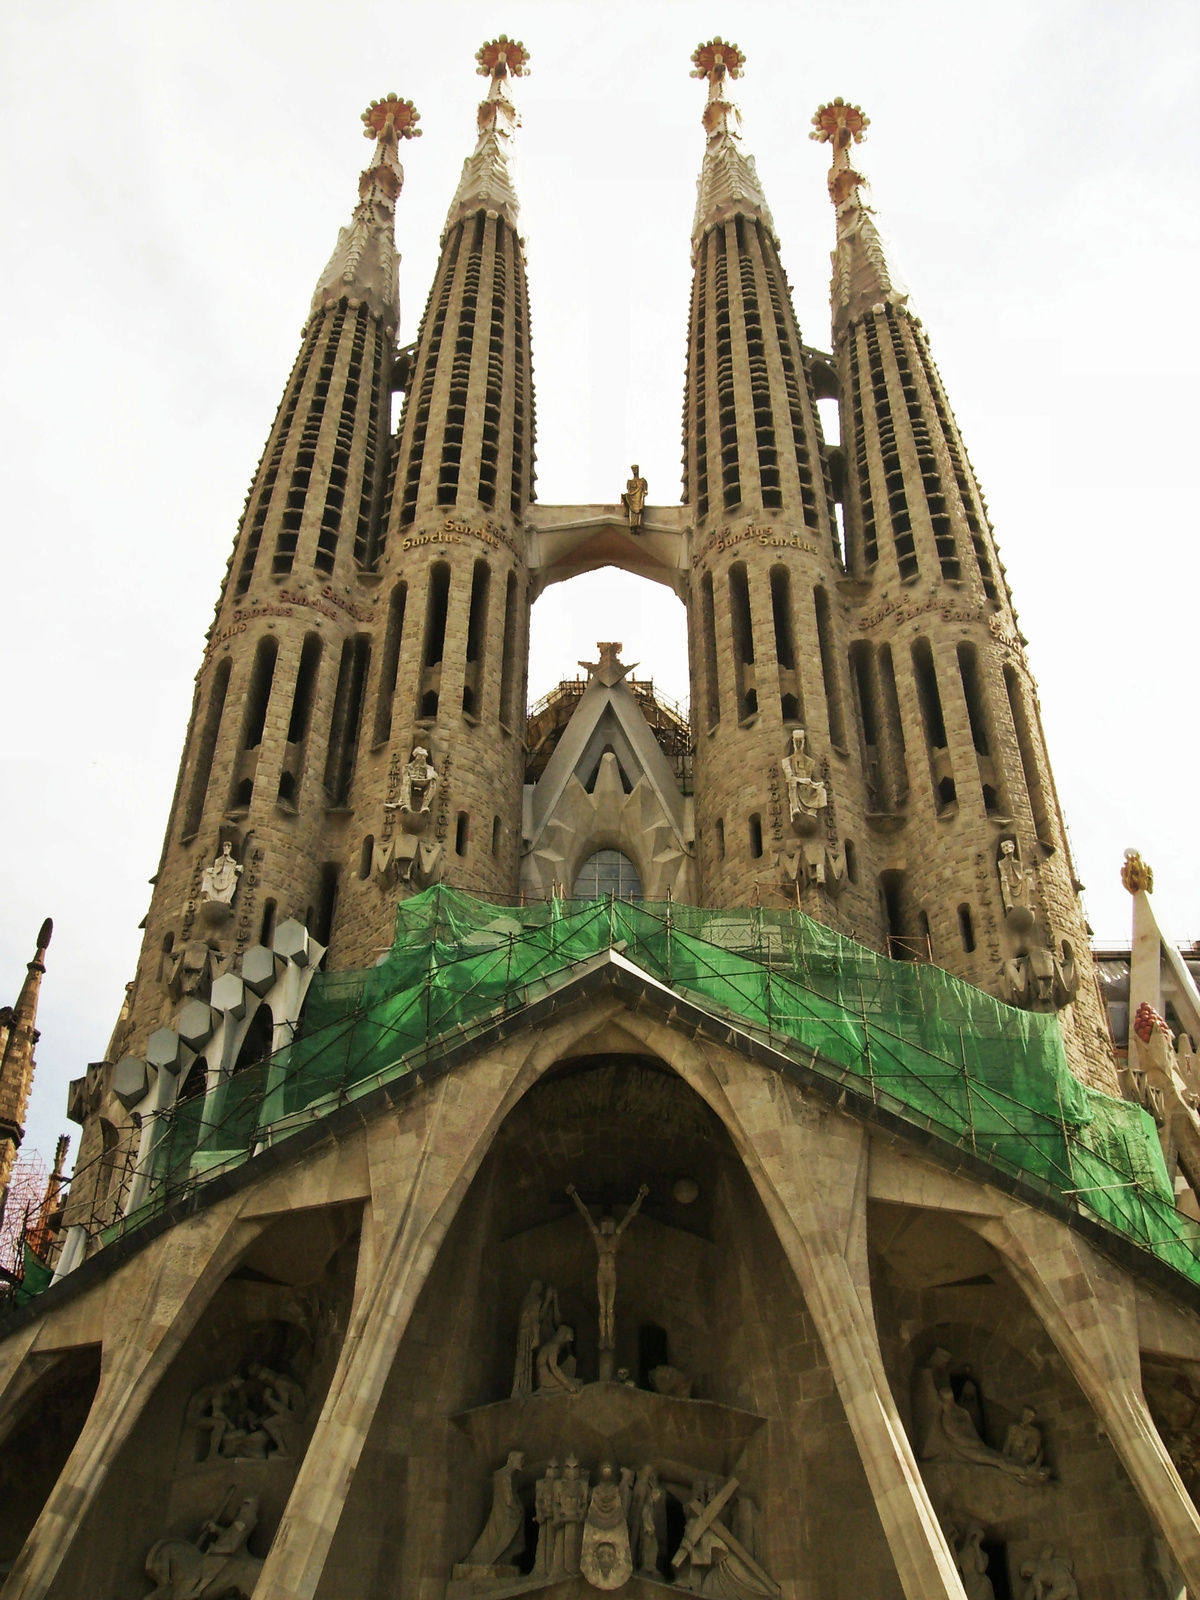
x=728 y=183
x=486 y=183
x=364 y=266
x=19 y=1035
x=864 y=274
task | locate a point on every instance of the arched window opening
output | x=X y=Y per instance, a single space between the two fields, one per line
x=266 y=930
x=851 y=860
x=743 y=641
x=287 y=788
x=306 y=683
x=326 y=902
x=1027 y=748
x=461 y=833
x=756 y=836
x=365 y=857
x=791 y=699
x=495 y=837
x=708 y=627
x=256 y=1046
x=347 y=718
x=259 y=693
x=205 y=748
x=164 y=959
x=720 y=838
x=829 y=669
x=472 y=695
x=390 y=663
x=966 y=928
x=934 y=724
x=508 y=663
x=437 y=601
x=605 y=873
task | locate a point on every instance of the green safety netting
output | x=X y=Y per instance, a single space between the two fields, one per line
x=929 y=1048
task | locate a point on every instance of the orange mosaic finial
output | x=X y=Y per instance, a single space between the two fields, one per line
x=502 y=57
x=402 y=115
x=716 y=58
x=839 y=123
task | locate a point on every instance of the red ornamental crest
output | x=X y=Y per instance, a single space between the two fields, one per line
x=510 y=51
x=706 y=56
x=838 y=114
x=403 y=113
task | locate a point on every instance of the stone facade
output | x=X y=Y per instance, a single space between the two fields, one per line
x=849 y=1358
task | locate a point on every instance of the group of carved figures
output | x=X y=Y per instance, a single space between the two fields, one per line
x=252 y=1416
x=1049 y=1577
x=614 y=1527
x=543 y=1339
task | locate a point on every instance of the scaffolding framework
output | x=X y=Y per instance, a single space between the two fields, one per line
x=939 y=1056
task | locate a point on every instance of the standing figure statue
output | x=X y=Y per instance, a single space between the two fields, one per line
x=503 y=1535
x=1016 y=886
x=543 y=1513
x=570 y=1508
x=972 y=1562
x=218 y=882
x=1023 y=1441
x=606 y=1238
x=806 y=793
x=634 y=498
x=539 y=1312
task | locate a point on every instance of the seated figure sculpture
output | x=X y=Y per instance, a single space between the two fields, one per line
x=555 y=1374
x=952 y=1437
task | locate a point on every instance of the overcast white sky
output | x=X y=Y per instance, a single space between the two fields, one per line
x=172 y=178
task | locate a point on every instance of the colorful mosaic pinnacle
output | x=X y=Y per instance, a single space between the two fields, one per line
x=716 y=58
x=402 y=115
x=839 y=123
x=501 y=57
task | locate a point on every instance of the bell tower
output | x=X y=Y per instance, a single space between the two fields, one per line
x=448 y=672
x=766 y=627
x=965 y=837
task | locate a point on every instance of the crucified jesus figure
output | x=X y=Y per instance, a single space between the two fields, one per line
x=607 y=1237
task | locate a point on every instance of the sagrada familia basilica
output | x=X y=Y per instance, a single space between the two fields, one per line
x=603 y=1146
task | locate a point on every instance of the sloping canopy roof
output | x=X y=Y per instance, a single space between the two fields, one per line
x=940 y=1063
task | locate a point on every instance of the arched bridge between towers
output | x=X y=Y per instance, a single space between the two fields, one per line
x=564 y=541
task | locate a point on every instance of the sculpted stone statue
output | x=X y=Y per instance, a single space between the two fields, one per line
x=634 y=499
x=418 y=789
x=606 y=1238
x=605 y=1558
x=806 y=794
x=538 y=1305
x=570 y=1508
x=647 y=1521
x=973 y=1565
x=952 y=1437
x=711 y=1560
x=543 y=1512
x=1050 y=1577
x=216 y=1565
x=503 y=1535
x=1016 y=886
x=218 y=882
x=552 y=1374
x=1023 y=1441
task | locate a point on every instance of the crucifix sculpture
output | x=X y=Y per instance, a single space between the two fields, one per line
x=606 y=1238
